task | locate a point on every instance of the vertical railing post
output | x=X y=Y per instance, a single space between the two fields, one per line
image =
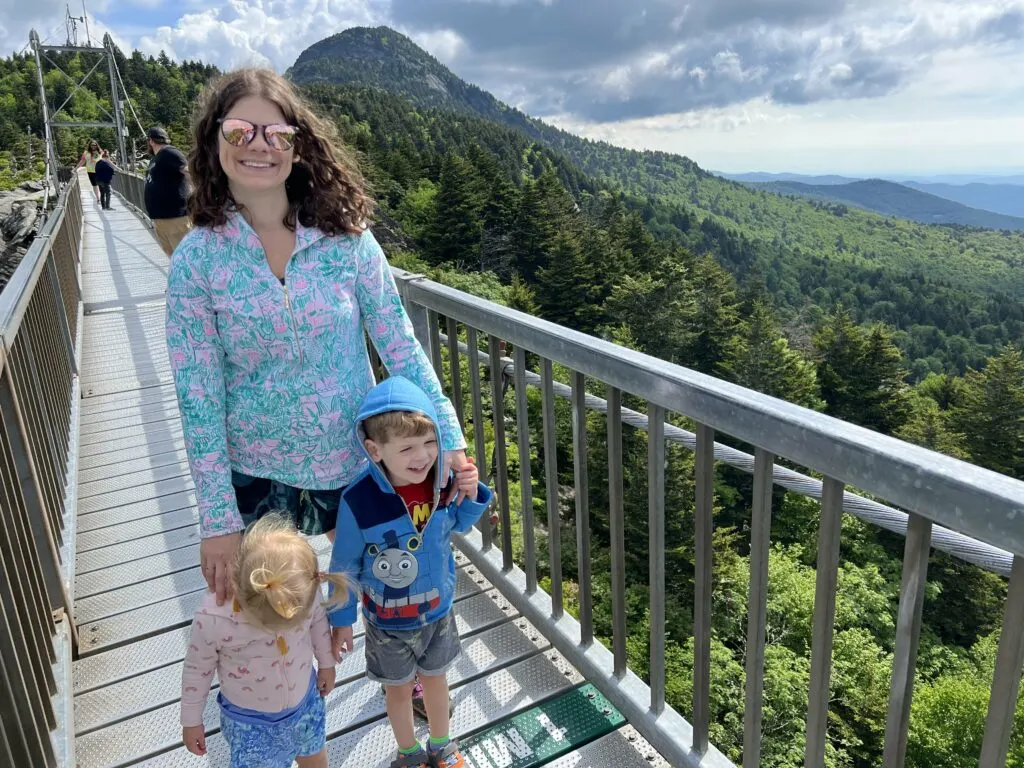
x=525 y=480
x=551 y=486
x=453 y=362
x=26 y=625
x=62 y=316
x=29 y=481
x=656 y=553
x=582 y=492
x=702 y=537
x=908 y=635
x=434 y=350
x=757 y=604
x=617 y=525
x=479 y=431
x=500 y=465
x=824 y=619
x=1006 y=682
x=417 y=312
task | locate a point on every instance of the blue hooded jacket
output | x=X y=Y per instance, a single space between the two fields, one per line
x=406 y=578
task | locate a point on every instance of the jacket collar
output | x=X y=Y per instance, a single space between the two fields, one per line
x=237 y=225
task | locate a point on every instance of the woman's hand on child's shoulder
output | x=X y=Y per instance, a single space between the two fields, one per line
x=194 y=737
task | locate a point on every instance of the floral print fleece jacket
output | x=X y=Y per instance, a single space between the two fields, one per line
x=270 y=377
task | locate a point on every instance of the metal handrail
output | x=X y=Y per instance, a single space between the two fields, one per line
x=958 y=545
x=39 y=318
x=132 y=189
x=973 y=503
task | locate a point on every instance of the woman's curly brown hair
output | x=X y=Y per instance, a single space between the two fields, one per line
x=325 y=188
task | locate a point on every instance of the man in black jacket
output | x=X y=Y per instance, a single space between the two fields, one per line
x=167 y=191
x=104 y=175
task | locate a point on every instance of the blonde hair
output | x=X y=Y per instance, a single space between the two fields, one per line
x=277 y=576
x=391 y=424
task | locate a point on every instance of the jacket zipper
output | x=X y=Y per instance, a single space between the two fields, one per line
x=295 y=327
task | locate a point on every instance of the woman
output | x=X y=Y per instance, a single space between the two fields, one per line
x=89 y=158
x=267 y=301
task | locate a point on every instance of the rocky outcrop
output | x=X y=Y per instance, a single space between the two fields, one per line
x=19 y=221
x=389 y=234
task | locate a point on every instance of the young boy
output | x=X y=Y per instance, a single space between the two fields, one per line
x=393 y=537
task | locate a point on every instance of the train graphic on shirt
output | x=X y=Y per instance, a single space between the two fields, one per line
x=397 y=567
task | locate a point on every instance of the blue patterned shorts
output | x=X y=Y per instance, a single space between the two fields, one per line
x=276 y=745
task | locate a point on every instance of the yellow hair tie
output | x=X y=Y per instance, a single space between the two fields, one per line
x=262 y=579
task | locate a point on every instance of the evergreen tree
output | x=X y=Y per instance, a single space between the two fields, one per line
x=861 y=374
x=766 y=363
x=930 y=427
x=882 y=381
x=660 y=312
x=716 y=320
x=545 y=209
x=562 y=287
x=454 y=234
x=992 y=415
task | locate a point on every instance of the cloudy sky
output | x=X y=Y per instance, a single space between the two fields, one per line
x=847 y=86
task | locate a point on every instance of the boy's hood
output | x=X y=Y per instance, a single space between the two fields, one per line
x=397 y=393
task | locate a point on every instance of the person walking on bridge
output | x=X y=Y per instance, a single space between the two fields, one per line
x=166 y=190
x=89 y=158
x=105 y=169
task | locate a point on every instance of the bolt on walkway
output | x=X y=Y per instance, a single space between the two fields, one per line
x=517 y=702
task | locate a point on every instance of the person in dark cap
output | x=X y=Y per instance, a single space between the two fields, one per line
x=166 y=190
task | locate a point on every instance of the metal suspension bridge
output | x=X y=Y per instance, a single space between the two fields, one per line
x=99 y=534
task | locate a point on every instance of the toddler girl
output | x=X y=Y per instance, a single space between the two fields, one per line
x=262 y=648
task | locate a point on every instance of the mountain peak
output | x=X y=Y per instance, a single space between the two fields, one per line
x=348 y=56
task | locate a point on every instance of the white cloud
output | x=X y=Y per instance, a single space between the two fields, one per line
x=268 y=33
x=943 y=123
x=17 y=18
x=944 y=77
x=444 y=45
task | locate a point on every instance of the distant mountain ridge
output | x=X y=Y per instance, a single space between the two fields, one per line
x=904 y=201
x=1007 y=199
x=753 y=230
x=760 y=177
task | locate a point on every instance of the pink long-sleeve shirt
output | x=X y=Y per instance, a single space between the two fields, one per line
x=258 y=669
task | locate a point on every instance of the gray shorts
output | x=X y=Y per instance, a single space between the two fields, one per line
x=395 y=658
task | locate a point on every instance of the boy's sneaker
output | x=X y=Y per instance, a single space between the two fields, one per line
x=418 y=759
x=448 y=757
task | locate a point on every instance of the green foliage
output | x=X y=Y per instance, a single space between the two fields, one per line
x=948 y=714
x=24 y=163
x=992 y=413
x=954 y=295
x=861 y=374
x=161 y=91
x=764 y=361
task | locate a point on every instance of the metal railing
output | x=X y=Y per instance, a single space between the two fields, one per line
x=39 y=317
x=132 y=189
x=971 y=512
